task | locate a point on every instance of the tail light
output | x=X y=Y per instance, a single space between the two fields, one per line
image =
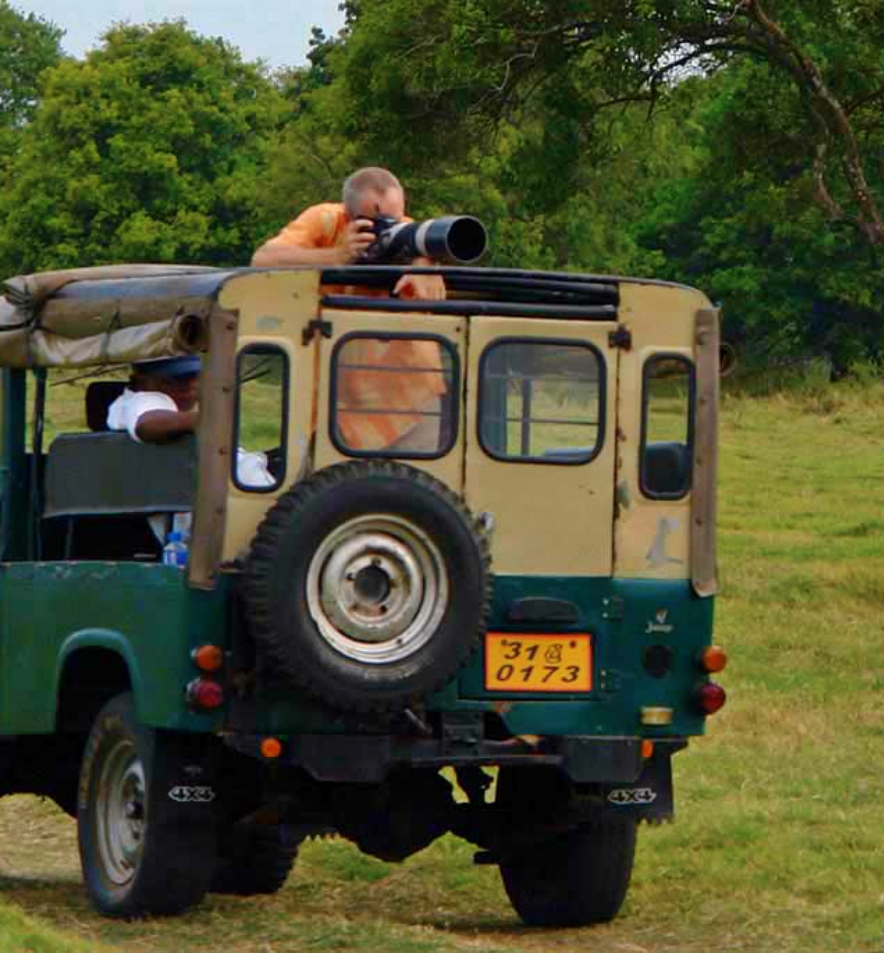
x=710 y=698
x=205 y=694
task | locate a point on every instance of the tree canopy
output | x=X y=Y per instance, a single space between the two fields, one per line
x=28 y=46
x=149 y=149
x=731 y=144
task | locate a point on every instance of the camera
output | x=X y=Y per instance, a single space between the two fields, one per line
x=451 y=239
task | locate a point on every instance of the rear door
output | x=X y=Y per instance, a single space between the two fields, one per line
x=541 y=442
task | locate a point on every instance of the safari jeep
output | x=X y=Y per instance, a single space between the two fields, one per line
x=476 y=596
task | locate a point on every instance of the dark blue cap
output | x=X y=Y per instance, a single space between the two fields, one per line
x=171 y=366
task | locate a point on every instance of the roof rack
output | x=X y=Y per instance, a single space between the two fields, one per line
x=490 y=291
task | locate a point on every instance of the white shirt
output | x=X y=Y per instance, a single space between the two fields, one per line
x=125 y=412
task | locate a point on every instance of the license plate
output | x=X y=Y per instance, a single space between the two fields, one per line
x=538 y=663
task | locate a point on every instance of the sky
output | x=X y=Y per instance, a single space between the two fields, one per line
x=277 y=31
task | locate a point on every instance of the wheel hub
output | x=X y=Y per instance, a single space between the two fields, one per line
x=120 y=813
x=377 y=588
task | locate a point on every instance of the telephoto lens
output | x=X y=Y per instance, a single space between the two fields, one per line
x=451 y=239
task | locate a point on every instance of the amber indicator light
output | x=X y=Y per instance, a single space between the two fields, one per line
x=713 y=659
x=271 y=748
x=647 y=749
x=208 y=658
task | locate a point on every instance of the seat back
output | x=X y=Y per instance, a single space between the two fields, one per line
x=97 y=474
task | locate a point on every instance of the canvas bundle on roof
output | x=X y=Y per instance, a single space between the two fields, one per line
x=105 y=315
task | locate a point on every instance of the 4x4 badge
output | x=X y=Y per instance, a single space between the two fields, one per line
x=192 y=794
x=622 y=796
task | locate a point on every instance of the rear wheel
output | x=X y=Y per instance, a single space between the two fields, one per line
x=133 y=865
x=254 y=858
x=571 y=879
x=574 y=879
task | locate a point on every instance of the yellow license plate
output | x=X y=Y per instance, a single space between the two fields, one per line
x=538 y=663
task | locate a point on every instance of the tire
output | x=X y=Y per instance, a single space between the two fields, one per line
x=368 y=585
x=573 y=879
x=133 y=865
x=254 y=859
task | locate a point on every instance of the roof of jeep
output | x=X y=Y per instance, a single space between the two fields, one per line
x=41 y=313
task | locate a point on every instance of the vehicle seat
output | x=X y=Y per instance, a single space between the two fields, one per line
x=102 y=474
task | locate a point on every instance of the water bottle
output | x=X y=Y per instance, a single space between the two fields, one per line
x=175 y=550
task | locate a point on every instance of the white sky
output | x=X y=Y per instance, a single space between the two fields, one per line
x=277 y=31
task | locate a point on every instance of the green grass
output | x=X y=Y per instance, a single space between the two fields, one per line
x=778 y=844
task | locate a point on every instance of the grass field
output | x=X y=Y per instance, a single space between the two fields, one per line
x=779 y=840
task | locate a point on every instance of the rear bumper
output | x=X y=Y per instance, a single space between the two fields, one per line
x=370 y=758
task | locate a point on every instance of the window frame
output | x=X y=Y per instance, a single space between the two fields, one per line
x=261 y=349
x=455 y=397
x=601 y=429
x=656 y=358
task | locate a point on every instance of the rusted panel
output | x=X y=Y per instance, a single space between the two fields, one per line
x=703 y=498
x=217 y=389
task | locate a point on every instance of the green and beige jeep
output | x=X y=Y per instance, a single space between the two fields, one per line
x=476 y=597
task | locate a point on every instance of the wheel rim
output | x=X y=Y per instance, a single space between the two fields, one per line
x=377 y=589
x=120 y=812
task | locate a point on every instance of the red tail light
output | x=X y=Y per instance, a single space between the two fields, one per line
x=710 y=698
x=205 y=694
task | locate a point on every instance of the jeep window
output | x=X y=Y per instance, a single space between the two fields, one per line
x=394 y=396
x=667 y=427
x=541 y=401
x=261 y=418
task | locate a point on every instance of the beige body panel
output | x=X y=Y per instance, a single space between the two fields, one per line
x=448 y=469
x=652 y=538
x=549 y=519
x=274 y=308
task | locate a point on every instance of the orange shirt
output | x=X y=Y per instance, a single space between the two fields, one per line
x=320 y=226
x=374 y=406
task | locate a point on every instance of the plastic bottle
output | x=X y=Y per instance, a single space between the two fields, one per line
x=175 y=550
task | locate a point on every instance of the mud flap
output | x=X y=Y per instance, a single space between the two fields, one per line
x=184 y=780
x=650 y=797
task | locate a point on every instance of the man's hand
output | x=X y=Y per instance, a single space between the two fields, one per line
x=421 y=287
x=358 y=235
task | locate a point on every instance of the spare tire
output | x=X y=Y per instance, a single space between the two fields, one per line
x=368 y=584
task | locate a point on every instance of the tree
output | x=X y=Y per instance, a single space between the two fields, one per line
x=432 y=70
x=28 y=46
x=149 y=150
x=741 y=227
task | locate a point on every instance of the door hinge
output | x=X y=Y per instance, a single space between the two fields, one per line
x=621 y=337
x=316 y=325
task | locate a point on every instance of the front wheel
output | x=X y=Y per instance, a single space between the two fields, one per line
x=132 y=863
x=574 y=879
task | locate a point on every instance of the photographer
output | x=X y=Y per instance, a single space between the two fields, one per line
x=398 y=413
x=339 y=233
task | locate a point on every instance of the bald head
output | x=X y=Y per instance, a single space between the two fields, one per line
x=371 y=191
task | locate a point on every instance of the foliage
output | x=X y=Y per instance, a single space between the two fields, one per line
x=149 y=150
x=28 y=45
x=742 y=227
